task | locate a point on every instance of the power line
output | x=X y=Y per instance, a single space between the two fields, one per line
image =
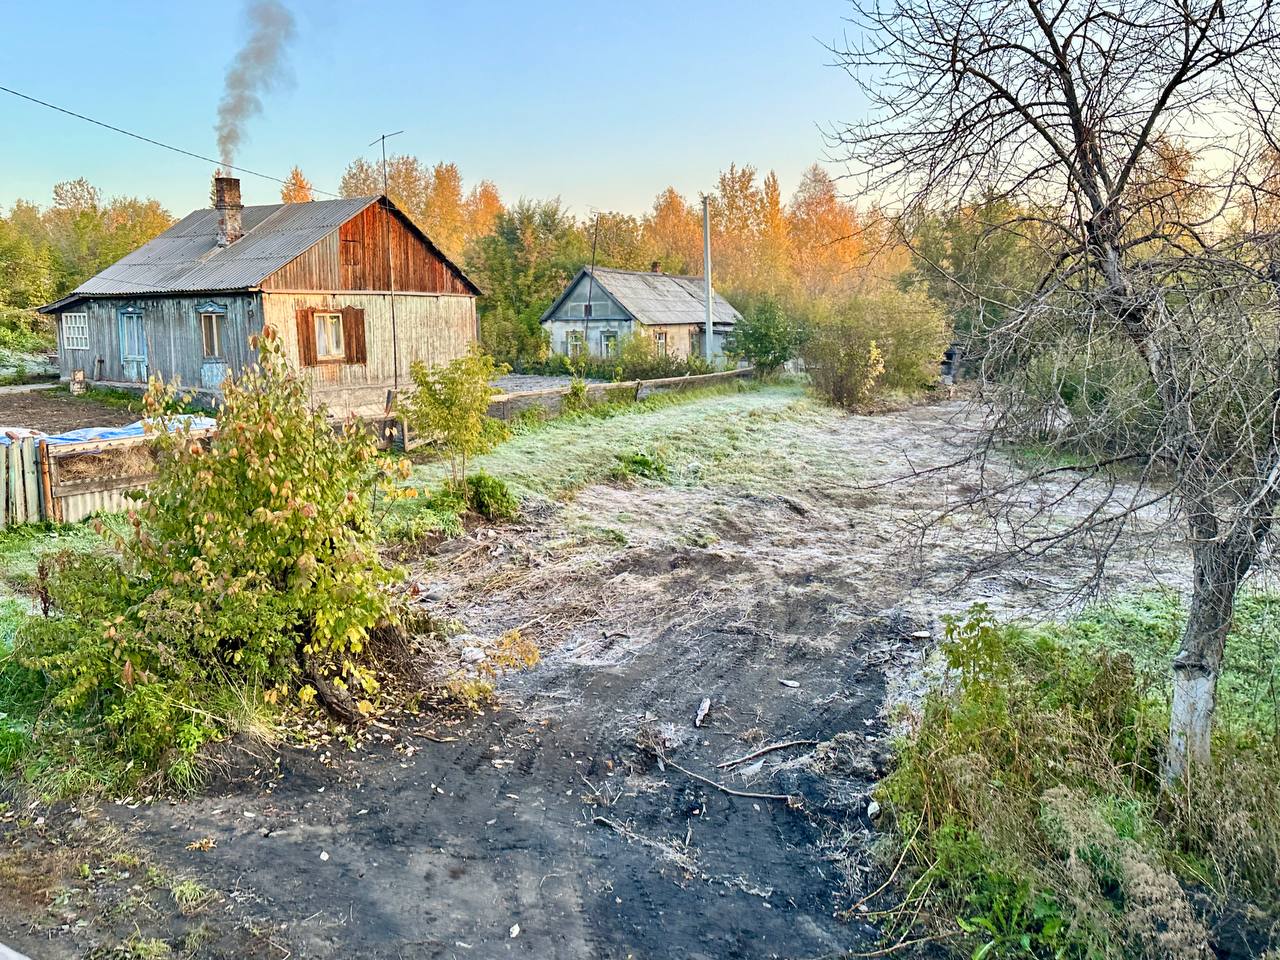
x=155 y=143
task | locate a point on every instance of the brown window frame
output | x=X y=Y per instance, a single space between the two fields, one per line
x=336 y=323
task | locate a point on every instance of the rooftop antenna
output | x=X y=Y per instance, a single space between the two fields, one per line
x=391 y=269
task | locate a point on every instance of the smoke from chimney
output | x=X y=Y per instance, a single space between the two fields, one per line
x=257 y=68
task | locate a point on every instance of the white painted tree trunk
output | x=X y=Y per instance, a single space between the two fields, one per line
x=1217 y=575
x=1190 y=722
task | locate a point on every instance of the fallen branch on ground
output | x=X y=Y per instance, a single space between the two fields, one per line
x=763 y=750
x=790 y=799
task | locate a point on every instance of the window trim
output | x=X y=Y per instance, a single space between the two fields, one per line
x=660 y=342
x=124 y=319
x=608 y=344
x=216 y=327
x=334 y=317
x=81 y=335
x=575 y=343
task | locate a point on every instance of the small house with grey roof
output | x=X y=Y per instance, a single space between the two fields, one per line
x=602 y=305
x=356 y=291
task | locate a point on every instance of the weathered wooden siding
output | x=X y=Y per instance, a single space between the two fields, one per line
x=433 y=329
x=171 y=327
x=316 y=269
x=354 y=257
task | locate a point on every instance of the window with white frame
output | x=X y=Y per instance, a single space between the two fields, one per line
x=75 y=331
x=660 y=343
x=575 y=343
x=329 y=344
x=609 y=343
x=211 y=334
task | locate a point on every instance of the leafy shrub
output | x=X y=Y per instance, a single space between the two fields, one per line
x=26 y=332
x=1027 y=806
x=887 y=341
x=767 y=336
x=639 y=463
x=637 y=359
x=250 y=572
x=844 y=369
x=450 y=405
x=576 y=400
x=491 y=498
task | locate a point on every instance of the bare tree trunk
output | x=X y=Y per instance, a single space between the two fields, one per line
x=1199 y=661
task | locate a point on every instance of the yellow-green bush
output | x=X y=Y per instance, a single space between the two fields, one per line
x=887 y=341
x=250 y=573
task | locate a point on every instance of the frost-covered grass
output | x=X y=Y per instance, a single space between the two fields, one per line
x=750 y=437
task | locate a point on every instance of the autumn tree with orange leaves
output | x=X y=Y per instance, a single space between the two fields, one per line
x=297 y=188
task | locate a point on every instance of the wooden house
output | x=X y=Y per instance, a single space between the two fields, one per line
x=601 y=305
x=355 y=289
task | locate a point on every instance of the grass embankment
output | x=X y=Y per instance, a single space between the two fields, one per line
x=717 y=436
x=1027 y=808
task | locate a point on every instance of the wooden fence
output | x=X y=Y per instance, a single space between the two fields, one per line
x=393 y=432
x=20 y=500
x=67 y=482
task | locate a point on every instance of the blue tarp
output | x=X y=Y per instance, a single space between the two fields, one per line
x=116 y=433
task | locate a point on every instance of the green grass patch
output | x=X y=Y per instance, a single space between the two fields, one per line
x=1027 y=806
x=641 y=464
x=23 y=548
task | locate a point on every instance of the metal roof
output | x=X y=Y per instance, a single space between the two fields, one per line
x=186 y=258
x=656 y=298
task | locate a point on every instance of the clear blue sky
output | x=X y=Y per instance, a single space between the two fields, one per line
x=602 y=104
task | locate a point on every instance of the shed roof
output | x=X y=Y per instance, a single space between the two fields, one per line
x=656 y=298
x=186 y=258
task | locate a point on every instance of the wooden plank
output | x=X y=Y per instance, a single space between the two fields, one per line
x=71 y=488
x=47 y=511
x=17 y=508
x=31 y=479
x=98 y=446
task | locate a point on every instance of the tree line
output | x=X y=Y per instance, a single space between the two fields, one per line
x=813 y=247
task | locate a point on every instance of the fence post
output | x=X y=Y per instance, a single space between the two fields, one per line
x=17 y=509
x=4 y=486
x=30 y=479
x=46 y=484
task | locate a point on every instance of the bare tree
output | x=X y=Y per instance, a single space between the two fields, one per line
x=1132 y=139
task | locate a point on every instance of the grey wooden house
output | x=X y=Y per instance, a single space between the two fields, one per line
x=602 y=305
x=185 y=304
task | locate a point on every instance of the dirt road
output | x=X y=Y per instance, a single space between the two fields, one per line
x=766 y=577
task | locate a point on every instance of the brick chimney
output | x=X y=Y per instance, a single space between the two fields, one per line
x=226 y=200
x=655 y=267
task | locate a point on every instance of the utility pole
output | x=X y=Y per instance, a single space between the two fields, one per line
x=591 y=287
x=706 y=268
x=391 y=270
